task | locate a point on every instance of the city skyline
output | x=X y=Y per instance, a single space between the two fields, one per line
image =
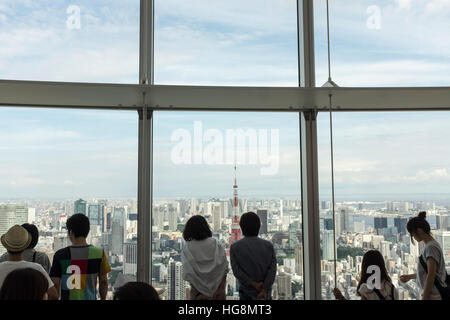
x=359 y=226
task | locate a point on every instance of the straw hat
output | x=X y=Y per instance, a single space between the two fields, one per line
x=17 y=239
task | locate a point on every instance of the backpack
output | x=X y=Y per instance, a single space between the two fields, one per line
x=443 y=291
x=381 y=297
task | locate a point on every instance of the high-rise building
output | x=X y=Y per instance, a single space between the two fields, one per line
x=400 y=224
x=96 y=214
x=328 y=223
x=284 y=285
x=243 y=205
x=80 y=206
x=173 y=219
x=390 y=207
x=385 y=249
x=217 y=217
x=157 y=272
x=10 y=215
x=275 y=291
x=281 y=209
x=69 y=208
x=118 y=230
x=176 y=284
x=31 y=215
x=328 y=245
x=380 y=223
x=262 y=214
x=107 y=221
x=299 y=259
x=342 y=221
x=159 y=215
x=442 y=222
x=292 y=234
x=183 y=208
x=443 y=237
x=130 y=257
x=193 y=208
x=226 y=212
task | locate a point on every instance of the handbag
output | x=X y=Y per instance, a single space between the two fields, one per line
x=443 y=291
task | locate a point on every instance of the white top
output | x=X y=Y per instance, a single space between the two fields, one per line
x=8 y=266
x=204 y=264
x=385 y=290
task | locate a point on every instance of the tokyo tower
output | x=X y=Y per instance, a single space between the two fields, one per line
x=235 y=228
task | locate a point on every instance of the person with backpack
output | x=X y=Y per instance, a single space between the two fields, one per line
x=30 y=254
x=16 y=241
x=380 y=289
x=431 y=275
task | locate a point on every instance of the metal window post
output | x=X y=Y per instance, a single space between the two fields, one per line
x=308 y=151
x=305 y=33
x=310 y=204
x=145 y=174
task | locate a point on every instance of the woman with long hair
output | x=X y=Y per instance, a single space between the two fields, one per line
x=431 y=274
x=380 y=289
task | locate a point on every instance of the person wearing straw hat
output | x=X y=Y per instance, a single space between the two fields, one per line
x=30 y=254
x=16 y=240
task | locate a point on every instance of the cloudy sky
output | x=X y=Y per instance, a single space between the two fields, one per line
x=81 y=153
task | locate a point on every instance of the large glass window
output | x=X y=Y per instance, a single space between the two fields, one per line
x=194 y=158
x=384 y=43
x=56 y=163
x=76 y=41
x=204 y=42
x=388 y=167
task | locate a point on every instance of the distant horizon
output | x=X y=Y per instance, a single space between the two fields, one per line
x=361 y=197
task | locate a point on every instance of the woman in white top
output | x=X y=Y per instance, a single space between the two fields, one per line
x=431 y=256
x=205 y=264
x=369 y=287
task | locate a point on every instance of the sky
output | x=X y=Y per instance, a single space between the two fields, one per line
x=84 y=153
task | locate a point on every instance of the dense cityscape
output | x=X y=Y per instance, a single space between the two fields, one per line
x=359 y=226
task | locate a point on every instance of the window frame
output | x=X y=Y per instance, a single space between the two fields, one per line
x=306 y=99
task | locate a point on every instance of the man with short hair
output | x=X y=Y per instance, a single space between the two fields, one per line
x=253 y=261
x=16 y=241
x=76 y=268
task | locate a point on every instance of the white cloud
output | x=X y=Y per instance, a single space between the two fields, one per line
x=404 y=4
x=28 y=181
x=436 y=6
x=441 y=174
x=36 y=136
x=40 y=47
